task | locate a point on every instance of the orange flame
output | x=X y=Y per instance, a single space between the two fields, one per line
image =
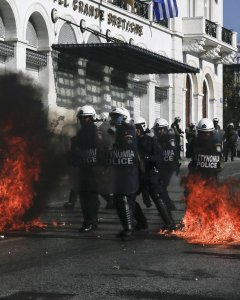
x=19 y=170
x=212 y=211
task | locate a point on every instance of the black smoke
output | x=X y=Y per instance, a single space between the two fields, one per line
x=22 y=109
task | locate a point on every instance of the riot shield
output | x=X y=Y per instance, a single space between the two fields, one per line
x=107 y=159
x=117 y=161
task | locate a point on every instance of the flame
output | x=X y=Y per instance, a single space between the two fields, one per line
x=19 y=170
x=212 y=211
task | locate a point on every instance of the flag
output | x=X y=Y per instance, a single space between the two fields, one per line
x=164 y=9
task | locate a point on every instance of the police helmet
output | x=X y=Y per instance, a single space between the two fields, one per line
x=121 y=111
x=177 y=119
x=86 y=110
x=192 y=124
x=140 y=121
x=160 y=123
x=216 y=120
x=205 y=125
x=231 y=125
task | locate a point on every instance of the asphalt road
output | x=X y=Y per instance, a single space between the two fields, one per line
x=59 y=263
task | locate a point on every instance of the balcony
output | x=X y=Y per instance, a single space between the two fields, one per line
x=208 y=40
x=142 y=9
x=163 y=23
x=227 y=36
x=211 y=28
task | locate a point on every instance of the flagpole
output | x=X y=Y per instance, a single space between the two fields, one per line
x=150 y=11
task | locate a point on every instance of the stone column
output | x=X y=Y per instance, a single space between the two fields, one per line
x=148 y=101
x=199 y=98
x=18 y=62
x=44 y=79
x=219 y=32
x=234 y=39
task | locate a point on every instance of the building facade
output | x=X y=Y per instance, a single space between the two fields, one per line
x=231 y=91
x=29 y=31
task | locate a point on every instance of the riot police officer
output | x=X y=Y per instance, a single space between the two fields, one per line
x=169 y=163
x=230 y=141
x=150 y=156
x=207 y=150
x=107 y=141
x=125 y=171
x=83 y=154
x=215 y=123
x=190 y=135
x=178 y=135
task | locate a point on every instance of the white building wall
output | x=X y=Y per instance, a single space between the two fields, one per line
x=155 y=38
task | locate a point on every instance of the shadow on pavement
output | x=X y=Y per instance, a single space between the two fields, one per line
x=131 y=294
x=216 y=255
x=73 y=234
x=38 y=296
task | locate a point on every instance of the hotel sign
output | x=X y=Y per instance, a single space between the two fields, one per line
x=96 y=13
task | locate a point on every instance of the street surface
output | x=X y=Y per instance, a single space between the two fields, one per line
x=59 y=263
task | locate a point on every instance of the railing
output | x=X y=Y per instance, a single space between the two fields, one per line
x=120 y=3
x=6 y=49
x=227 y=36
x=211 y=28
x=141 y=9
x=163 y=23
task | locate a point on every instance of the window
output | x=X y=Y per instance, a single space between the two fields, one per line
x=191 y=8
x=32 y=36
x=204 y=100
x=67 y=35
x=2 y=29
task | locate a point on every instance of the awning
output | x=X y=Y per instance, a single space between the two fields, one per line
x=126 y=57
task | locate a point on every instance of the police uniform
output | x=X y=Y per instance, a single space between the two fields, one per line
x=169 y=163
x=123 y=167
x=178 y=132
x=83 y=152
x=125 y=176
x=230 y=142
x=190 y=135
x=216 y=125
x=150 y=155
x=207 y=155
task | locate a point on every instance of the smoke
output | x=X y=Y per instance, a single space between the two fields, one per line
x=21 y=105
x=22 y=116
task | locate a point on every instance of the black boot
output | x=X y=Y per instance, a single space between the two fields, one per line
x=163 y=210
x=88 y=227
x=72 y=199
x=146 y=198
x=110 y=201
x=140 y=218
x=125 y=214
